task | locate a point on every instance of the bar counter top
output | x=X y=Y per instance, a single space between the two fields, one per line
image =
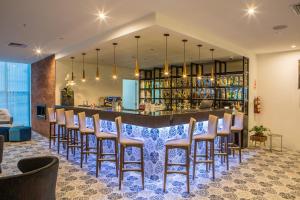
x=156 y=119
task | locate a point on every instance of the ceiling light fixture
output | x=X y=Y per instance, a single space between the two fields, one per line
x=38 y=51
x=97 y=71
x=72 y=75
x=184 y=72
x=166 y=65
x=83 y=71
x=199 y=71
x=251 y=10
x=212 y=69
x=114 y=72
x=102 y=15
x=293 y=46
x=137 y=67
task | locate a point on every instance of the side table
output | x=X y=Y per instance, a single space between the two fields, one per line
x=271 y=135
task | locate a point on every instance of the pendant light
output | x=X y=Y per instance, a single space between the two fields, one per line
x=184 y=73
x=72 y=75
x=137 y=67
x=83 y=71
x=114 y=72
x=199 y=72
x=97 y=71
x=212 y=69
x=166 y=65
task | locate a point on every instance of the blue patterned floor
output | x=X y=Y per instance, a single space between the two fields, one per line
x=262 y=175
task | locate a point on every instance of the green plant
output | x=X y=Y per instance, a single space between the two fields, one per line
x=68 y=91
x=259 y=130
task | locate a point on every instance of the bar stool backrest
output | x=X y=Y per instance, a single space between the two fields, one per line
x=227 y=121
x=69 y=115
x=118 y=121
x=81 y=120
x=191 y=130
x=96 y=120
x=60 y=116
x=212 y=125
x=51 y=115
x=239 y=120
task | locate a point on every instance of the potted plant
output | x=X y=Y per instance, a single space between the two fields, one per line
x=67 y=96
x=259 y=134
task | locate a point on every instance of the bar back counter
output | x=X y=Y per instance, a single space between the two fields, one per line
x=153 y=128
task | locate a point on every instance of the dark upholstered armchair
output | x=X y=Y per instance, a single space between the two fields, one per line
x=1 y=150
x=37 y=182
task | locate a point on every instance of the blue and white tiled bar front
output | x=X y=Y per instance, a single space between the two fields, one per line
x=154 y=139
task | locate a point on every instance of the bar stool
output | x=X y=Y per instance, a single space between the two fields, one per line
x=84 y=131
x=124 y=143
x=61 y=125
x=52 y=122
x=101 y=136
x=209 y=137
x=72 y=132
x=237 y=128
x=224 y=138
x=184 y=144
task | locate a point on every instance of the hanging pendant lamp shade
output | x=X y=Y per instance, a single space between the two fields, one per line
x=83 y=71
x=97 y=70
x=199 y=72
x=72 y=75
x=137 y=67
x=166 y=65
x=212 y=69
x=114 y=72
x=184 y=72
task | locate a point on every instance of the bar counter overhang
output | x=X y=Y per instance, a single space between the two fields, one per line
x=157 y=119
x=154 y=129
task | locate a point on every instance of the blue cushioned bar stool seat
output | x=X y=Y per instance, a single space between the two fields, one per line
x=4 y=130
x=19 y=133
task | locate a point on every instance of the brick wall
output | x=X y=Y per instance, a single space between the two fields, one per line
x=42 y=91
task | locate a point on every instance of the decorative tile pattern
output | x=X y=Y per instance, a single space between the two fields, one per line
x=261 y=176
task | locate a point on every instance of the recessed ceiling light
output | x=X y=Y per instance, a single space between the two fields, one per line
x=102 y=15
x=38 y=51
x=293 y=46
x=251 y=10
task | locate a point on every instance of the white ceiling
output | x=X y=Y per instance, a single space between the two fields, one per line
x=151 y=49
x=57 y=26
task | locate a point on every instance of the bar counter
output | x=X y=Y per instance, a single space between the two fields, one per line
x=153 y=128
x=157 y=119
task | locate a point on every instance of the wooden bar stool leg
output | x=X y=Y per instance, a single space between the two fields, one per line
x=227 y=152
x=50 y=134
x=195 y=159
x=81 y=150
x=68 y=137
x=97 y=157
x=187 y=170
x=58 y=139
x=213 y=158
x=240 y=146
x=206 y=154
x=166 y=168
x=121 y=166
x=86 y=147
x=100 y=155
x=142 y=166
x=116 y=156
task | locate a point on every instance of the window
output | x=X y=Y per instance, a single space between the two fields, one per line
x=15 y=91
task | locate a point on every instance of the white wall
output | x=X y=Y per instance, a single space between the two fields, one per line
x=278 y=88
x=91 y=90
